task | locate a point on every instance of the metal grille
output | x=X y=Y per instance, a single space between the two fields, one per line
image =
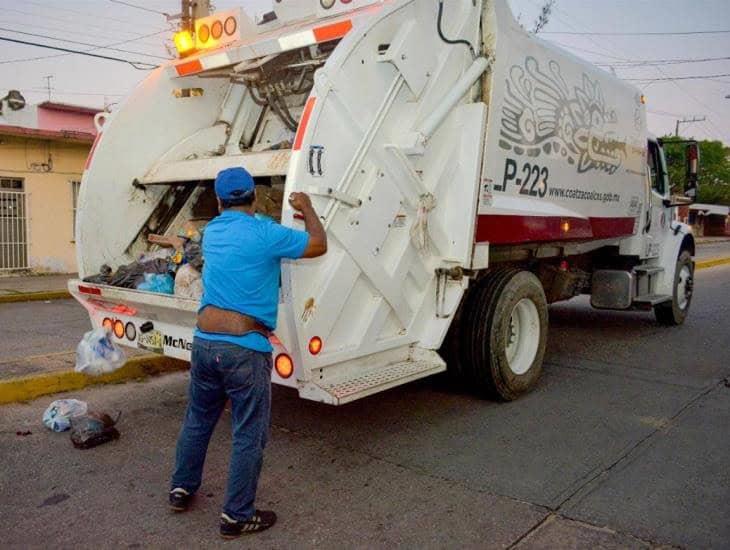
x=13 y=230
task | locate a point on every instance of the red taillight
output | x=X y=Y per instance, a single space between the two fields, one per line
x=284 y=365
x=90 y=290
x=118 y=329
x=315 y=345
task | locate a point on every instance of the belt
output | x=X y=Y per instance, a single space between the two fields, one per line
x=224 y=321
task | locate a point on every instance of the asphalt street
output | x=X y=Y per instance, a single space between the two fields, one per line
x=625 y=444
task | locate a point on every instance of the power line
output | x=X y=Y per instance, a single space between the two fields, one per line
x=139 y=7
x=72 y=22
x=657 y=68
x=654 y=62
x=64 y=54
x=95 y=46
x=136 y=64
x=687 y=33
x=673 y=78
x=86 y=14
x=67 y=92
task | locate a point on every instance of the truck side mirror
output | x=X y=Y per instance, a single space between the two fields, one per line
x=693 y=168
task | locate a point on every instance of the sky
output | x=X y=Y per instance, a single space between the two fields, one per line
x=640 y=40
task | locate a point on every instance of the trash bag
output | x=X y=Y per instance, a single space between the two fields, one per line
x=130 y=275
x=93 y=429
x=59 y=414
x=194 y=255
x=188 y=283
x=102 y=278
x=96 y=354
x=156 y=282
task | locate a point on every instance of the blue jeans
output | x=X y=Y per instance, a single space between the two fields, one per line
x=221 y=371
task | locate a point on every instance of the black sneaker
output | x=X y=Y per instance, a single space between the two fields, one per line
x=261 y=521
x=180 y=500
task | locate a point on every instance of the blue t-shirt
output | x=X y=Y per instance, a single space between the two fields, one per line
x=243 y=268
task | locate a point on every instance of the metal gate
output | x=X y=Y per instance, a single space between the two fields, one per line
x=13 y=229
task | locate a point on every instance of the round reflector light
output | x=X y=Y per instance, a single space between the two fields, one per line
x=108 y=324
x=284 y=365
x=230 y=25
x=118 y=328
x=216 y=29
x=327 y=4
x=203 y=33
x=130 y=331
x=315 y=345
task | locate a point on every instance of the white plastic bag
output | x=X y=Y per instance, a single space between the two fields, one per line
x=58 y=415
x=96 y=354
x=188 y=283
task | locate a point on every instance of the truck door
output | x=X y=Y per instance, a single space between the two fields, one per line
x=658 y=216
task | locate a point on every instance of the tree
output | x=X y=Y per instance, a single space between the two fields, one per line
x=714 y=175
x=544 y=17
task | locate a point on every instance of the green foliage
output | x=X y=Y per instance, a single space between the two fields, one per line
x=714 y=176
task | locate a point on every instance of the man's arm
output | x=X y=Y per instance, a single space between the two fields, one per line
x=317 y=245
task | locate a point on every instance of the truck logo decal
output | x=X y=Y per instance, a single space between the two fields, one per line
x=540 y=115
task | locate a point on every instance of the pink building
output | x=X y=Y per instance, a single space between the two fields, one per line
x=43 y=149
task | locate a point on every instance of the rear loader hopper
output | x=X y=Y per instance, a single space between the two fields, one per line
x=467 y=174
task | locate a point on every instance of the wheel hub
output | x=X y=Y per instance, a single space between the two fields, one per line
x=685 y=286
x=523 y=336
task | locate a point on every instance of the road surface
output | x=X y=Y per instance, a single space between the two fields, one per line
x=624 y=444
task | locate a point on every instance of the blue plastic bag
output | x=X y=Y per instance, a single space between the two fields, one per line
x=58 y=415
x=159 y=283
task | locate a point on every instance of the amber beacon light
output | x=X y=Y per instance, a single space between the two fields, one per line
x=184 y=42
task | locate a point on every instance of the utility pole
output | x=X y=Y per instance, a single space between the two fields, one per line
x=688 y=121
x=192 y=10
x=48 y=85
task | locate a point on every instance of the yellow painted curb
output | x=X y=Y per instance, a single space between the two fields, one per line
x=713 y=262
x=25 y=388
x=34 y=296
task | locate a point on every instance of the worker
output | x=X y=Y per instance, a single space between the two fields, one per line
x=231 y=356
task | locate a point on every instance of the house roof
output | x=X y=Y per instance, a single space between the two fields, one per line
x=711 y=209
x=67 y=107
x=66 y=135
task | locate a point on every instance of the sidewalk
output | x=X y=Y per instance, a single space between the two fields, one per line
x=25 y=288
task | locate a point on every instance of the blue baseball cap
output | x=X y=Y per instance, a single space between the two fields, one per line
x=234 y=183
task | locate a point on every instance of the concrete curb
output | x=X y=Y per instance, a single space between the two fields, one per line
x=25 y=388
x=712 y=262
x=34 y=296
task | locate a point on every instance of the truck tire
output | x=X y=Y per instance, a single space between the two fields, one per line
x=674 y=312
x=505 y=333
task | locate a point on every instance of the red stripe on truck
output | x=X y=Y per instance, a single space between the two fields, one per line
x=303 y=123
x=333 y=31
x=191 y=67
x=496 y=229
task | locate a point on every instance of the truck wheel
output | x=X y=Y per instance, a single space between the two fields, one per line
x=506 y=334
x=675 y=312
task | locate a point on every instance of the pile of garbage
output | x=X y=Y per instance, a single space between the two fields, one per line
x=174 y=268
x=88 y=428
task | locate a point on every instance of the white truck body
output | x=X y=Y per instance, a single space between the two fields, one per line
x=425 y=163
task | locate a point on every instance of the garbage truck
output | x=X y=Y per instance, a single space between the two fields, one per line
x=467 y=172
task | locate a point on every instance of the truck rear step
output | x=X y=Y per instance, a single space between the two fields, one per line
x=652 y=299
x=425 y=363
